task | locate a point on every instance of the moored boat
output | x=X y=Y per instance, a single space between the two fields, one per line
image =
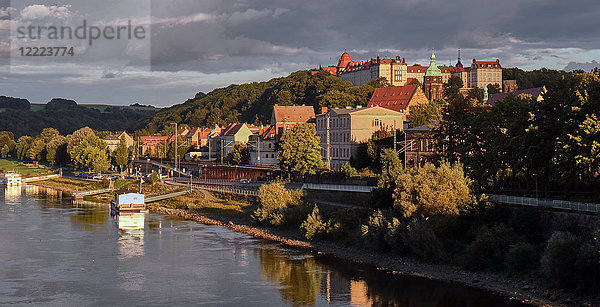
x=128 y=202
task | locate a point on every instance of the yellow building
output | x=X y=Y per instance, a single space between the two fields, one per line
x=361 y=72
x=342 y=130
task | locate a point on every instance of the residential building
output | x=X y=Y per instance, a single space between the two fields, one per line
x=181 y=132
x=509 y=86
x=398 y=98
x=113 y=140
x=483 y=73
x=537 y=93
x=154 y=145
x=420 y=146
x=232 y=134
x=263 y=149
x=342 y=130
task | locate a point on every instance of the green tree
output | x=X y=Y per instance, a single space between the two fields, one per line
x=425 y=113
x=274 y=198
x=430 y=191
x=299 y=148
x=122 y=154
x=494 y=89
x=56 y=149
x=239 y=154
x=475 y=93
x=22 y=147
x=74 y=139
x=391 y=168
x=347 y=170
x=91 y=153
x=36 y=150
x=5 y=150
x=452 y=88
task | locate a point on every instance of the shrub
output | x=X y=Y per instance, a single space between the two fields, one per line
x=559 y=258
x=153 y=178
x=430 y=190
x=348 y=171
x=314 y=226
x=274 y=198
x=375 y=230
x=489 y=249
x=105 y=183
x=422 y=241
x=522 y=258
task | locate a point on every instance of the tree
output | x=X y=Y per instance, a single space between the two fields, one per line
x=22 y=147
x=348 y=171
x=5 y=150
x=239 y=154
x=299 y=148
x=122 y=153
x=430 y=191
x=475 y=93
x=91 y=153
x=74 y=139
x=36 y=150
x=493 y=89
x=452 y=88
x=425 y=113
x=391 y=168
x=379 y=82
x=56 y=150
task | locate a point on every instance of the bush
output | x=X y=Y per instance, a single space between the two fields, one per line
x=430 y=191
x=348 y=171
x=489 y=249
x=522 y=258
x=559 y=259
x=314 y=226
x=274 y=198
x=105 y=183
x=153 y=178
x=375 y=230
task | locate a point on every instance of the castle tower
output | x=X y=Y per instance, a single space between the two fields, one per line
x=432 y=82
x=459 y=63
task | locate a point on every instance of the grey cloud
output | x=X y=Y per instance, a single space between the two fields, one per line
x=587 y=66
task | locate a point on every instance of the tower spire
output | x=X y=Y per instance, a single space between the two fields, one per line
x=459 y=63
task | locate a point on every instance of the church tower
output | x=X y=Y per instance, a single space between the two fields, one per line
x=432 y=82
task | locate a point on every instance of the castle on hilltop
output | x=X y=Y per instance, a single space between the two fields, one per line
x=398 y=72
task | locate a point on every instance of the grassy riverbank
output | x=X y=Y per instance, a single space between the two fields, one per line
x=26 y=170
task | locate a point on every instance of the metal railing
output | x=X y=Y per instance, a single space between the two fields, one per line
x=30 y=179
x=151 y=199
x=338 y=187
x=232 y=190
x=553 y=203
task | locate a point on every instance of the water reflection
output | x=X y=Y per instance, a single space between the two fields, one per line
x=300 y=277
x=12 y=195
x=131 y=235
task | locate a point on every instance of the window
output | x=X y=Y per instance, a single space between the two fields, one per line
x=377 y=123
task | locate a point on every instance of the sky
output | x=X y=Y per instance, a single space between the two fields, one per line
x=190 y=46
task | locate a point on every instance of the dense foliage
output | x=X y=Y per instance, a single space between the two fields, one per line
x=253 y=102
x=65 y=116
x=299 y=148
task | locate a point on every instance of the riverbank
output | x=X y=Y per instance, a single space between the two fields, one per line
x=513 y=289
x=234 y=214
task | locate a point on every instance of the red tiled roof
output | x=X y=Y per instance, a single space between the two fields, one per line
x=416 y=69
x=293 y=114
x=345 y=59
x=487 y=64
x=330 y=69
x=447 y=69
x=394 y=98
x=232 y=129
x=535 y=92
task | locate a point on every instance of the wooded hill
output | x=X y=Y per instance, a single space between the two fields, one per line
x=253 y=102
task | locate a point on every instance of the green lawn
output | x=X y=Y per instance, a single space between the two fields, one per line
x=24 y=170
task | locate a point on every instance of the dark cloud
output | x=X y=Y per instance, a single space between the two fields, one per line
x=226 y=41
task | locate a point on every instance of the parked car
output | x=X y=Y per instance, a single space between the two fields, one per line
x=244 y=181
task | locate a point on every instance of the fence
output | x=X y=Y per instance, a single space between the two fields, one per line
x=38 y=178
x=232 y=190
x=338 y=187
x=554 y=204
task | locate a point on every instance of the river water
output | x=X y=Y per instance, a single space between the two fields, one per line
x=56 y=253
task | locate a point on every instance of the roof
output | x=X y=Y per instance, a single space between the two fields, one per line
x=535 y=92
x=111 y=137
x=433 y=70
x=146 y=139
x=416 y=69
x=293 y=114
x=232 y=129
x=192 y=132
x=422 y=128
x=345 y=59
x=330 y=69
x=486 y=64
x=394 y=98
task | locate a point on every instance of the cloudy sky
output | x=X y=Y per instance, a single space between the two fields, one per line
x=199 y=45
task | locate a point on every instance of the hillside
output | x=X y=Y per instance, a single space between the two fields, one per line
x=67 y=116
x=253 y=102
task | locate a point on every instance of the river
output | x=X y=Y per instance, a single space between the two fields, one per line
x=54 y=252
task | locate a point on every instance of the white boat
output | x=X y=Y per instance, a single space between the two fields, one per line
x=12 y=179
x=128 y=202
